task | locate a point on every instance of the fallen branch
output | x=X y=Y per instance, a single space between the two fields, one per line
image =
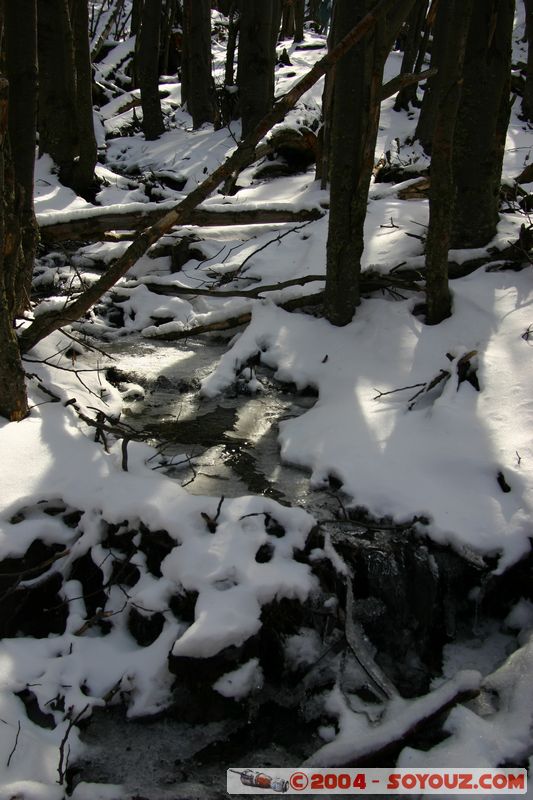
x=95 y=226
x=174 y=290
x=407 y=79
x=48 y=322
x=401 y=721
x=359 y=646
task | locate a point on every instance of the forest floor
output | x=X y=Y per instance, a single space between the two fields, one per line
x=125 y=584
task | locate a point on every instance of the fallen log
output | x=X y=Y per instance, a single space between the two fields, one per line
x=95 y=226
x=235 y=321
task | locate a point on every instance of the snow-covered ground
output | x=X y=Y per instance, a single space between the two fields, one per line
x=443 y=456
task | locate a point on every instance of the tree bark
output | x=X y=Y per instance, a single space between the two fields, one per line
x=147 y=69
x=57 y=87
x=527 y=100
x=257 y=60
x=408 y=95
x=136 y=16
x=354 y=125
x=21 y=69
x=430 y=103
x=442 y=189
x=13 y=399
x=197 y=80
x=87 y=148
x=299 y=16
x=48 y=322
x=482 y=123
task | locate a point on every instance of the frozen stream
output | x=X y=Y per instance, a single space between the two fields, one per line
x=232 y=443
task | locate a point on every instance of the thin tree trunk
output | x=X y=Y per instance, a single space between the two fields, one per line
x=48 y=322
x=87 y=148
x=21 y=68
x=527 y=100
x=408 y=95
x=13 y=399
x=482 y=123
x=287 y=19
x=428 y=111
x=169 y=17
x=197 y=80
x=442 y=190
x=147 y=69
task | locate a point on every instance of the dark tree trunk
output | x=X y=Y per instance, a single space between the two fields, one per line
x=442 y=190
x=13 y=400
x=167 y=25
x=356 y=96
x=415 y=22
x=287 y=19
x=482 y=123
x=147 y=69
x=21 y=68
x=527 y=100
x=87 y=149
x=136 y=16
x=197 y=87
x=428 y=112
x=57 y=86
x=257 y=59
x=233 y=29
x=299 y=16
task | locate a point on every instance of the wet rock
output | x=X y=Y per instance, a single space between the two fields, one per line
x=156 y=545
x=145 y=628
x=91 y=578
x=37 y=610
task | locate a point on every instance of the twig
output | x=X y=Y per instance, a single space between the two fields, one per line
x=15 y=745
x=393 y=391
x=72 y=721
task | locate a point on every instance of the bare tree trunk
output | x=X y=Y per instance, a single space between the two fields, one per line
x=287 y=19
x=442 y=189
x=147 y=69
x=87 y=148
x=354 y=126
x=257 y=59
x=13 y=399
x=408 y=95
x=168 y=20
x=428 y=112
x=21 y=67
x=197 y=87
x=482 y=123
x=527 y=100
x=136 y=16
x=299 y=16
x=57 y=87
